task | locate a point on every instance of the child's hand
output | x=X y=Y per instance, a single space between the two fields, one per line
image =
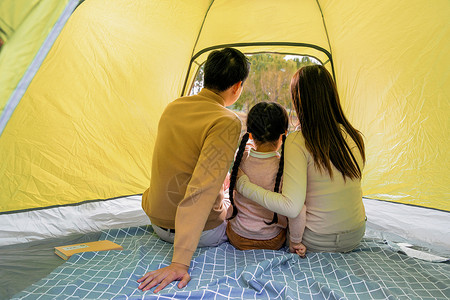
x=298 y=248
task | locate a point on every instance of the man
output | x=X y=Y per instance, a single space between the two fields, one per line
x=195 y=145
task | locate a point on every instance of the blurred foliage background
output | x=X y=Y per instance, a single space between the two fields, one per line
x=269 y=80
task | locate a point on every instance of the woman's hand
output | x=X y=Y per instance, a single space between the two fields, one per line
x=298 y=248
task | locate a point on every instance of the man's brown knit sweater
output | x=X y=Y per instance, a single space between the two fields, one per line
x=195 y=145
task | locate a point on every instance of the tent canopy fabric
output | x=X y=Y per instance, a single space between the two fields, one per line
x=85 y=127
x=25 y=26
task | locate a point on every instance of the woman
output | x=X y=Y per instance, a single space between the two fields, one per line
x=324 y=159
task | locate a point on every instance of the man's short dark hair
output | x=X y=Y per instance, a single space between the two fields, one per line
x=225 y=67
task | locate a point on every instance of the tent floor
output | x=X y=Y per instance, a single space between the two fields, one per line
x=372 y=271
x=23 y=264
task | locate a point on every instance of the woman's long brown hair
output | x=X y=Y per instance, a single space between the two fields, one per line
x=316 y=101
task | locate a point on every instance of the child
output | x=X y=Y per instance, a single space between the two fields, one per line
x=255 y=227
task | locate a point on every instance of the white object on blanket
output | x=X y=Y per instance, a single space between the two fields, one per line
x=412 y=252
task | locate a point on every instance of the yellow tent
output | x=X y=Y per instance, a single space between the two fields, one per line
x=83 y=84
x=80 y=96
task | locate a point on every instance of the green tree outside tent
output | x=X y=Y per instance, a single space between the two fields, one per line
x=269 y=80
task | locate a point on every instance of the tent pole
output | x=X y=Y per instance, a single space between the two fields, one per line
x=193 y=49
x=328 y=40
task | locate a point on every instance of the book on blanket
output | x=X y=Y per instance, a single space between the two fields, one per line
x=67 y=251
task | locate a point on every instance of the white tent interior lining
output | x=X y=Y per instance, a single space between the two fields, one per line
x=392 y=221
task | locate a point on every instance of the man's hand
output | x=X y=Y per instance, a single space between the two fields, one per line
x=298 y=248
x=164 y=276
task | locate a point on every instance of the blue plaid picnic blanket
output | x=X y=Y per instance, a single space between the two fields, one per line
x=372 y=271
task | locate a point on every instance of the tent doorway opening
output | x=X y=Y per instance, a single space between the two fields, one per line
x=269 y=80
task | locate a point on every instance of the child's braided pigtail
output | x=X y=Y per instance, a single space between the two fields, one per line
x=234 y=173
x=278 y=179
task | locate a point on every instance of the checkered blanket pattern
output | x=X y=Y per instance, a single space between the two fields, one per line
x=372 y=271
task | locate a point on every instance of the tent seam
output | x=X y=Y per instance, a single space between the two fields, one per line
x=328 y=38
x=408 y=204
x=35 y=64
x=328 y=54
x=195 y=45
x=64 y=205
